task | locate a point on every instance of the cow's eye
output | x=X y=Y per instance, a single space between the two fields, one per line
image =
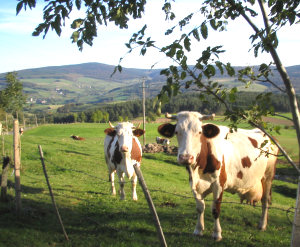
x=200 y=132
x=176 y=132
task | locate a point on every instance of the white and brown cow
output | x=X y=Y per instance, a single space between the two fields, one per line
x=218 y=160
x=122 y=150
x=163 y=141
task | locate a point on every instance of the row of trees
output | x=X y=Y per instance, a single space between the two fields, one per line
x=12 y=97
x=133 y=109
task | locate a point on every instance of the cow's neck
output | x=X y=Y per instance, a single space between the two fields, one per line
x=206 y=160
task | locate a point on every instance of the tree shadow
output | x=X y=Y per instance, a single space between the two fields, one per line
x=285 y=190
x=169 y=161
x=75 y=152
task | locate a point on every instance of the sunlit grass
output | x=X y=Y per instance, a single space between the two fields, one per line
x=92 y=217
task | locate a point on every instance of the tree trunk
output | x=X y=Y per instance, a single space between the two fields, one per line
x=296 y=119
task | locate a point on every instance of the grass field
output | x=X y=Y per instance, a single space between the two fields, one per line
x=92 y=217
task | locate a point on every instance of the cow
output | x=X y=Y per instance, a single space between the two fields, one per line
x=163 y=141
x=218 y=159
x=77 y=138
x=122 y=150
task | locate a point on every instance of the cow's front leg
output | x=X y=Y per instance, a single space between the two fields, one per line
x=216 y=209
x=134 y=182
x=122 y=184
x=200 y=207
x=112 y=180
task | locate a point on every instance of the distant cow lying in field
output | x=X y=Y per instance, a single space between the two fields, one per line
x=218 y=160
x=78 y=138
x=122 y=150
x=163 y=141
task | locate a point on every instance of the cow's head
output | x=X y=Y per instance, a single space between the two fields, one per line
x=125 y=132
x=191 y=135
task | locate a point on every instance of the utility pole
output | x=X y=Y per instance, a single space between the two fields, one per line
x=144 y=110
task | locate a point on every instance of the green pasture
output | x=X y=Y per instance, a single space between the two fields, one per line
x=93 y=217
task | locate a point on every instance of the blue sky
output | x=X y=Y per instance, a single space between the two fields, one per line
x=20 y=50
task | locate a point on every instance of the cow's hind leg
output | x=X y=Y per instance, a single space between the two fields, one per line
x=134 y=182
x=267 y=187
x=265 y=200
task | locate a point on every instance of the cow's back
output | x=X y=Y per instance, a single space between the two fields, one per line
x=246 y=160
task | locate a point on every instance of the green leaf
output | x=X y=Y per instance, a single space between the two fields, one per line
x=143 y=51
x=187 y=43
x=19 y=7
x=204 y=30
x=119 y=68
x=183 y=75
x=196 y=34
x=78 y=4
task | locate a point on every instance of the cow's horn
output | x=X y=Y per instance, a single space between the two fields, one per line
x=170 y=116
x=208 y=117
x=137 y=126
x=111 y=125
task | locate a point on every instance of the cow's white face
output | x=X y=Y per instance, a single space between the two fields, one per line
x=125 y=135
x=188 y=131
x=191 y=135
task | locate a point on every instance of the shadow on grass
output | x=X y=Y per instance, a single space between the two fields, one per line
x=284 y=190
x=75 y=152
x=169 y=161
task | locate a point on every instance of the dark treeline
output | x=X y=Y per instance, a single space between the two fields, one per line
x=132 y=109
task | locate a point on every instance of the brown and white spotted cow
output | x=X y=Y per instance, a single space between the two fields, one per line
x=218 y=160
x=122 y=150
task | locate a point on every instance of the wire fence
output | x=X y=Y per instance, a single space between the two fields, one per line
x=289 y=211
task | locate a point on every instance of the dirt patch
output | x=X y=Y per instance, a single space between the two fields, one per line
x=278 y=121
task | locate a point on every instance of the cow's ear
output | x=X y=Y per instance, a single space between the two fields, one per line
x=167 y=130
x=138 y=132
x=210 y=130
x=110 y=131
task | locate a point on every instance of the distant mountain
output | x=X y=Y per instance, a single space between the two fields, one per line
x=92 y=82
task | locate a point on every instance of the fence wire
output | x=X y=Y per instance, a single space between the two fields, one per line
x=288 y=211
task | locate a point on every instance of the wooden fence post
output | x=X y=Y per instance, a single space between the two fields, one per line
x=51 y=194
x=17 y=166
x=151 y=205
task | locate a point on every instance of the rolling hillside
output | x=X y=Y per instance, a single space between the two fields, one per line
x=92 y=82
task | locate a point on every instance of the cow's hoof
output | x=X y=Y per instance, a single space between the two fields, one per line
x=134 y=198
x=262 y=228
x=217 y=237
x=198 y=233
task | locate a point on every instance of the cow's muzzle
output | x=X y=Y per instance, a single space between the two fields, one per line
x=186 y=159
x=124 y=149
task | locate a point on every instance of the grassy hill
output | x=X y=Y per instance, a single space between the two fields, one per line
x=92 y=82
x=92 y=217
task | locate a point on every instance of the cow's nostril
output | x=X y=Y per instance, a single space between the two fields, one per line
x=124 y=149
x=186 y=159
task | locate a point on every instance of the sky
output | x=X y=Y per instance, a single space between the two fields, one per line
x=20 y=50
